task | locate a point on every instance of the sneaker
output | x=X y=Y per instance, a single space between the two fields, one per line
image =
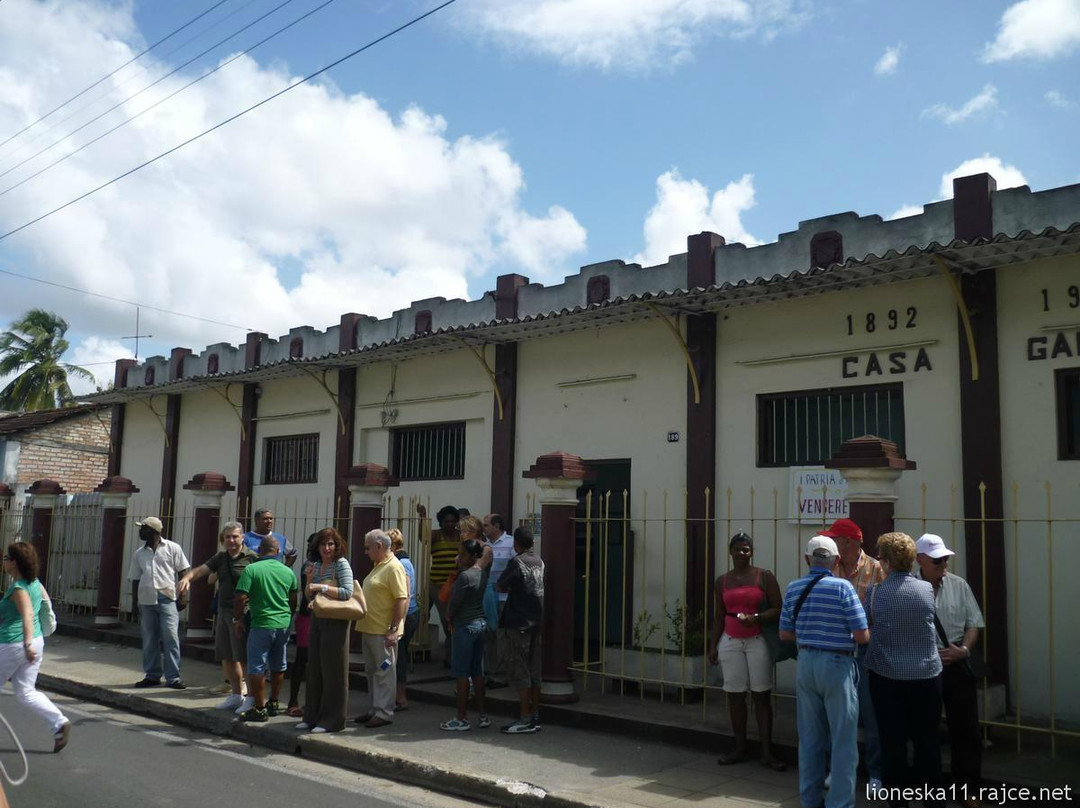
x=231 y=702
x=148 y=682
x=178 y=684
x=303 y=726
x=319 y=730
x=455 y=725
x=272 y=708
x=60 y=737
x=484 y=722
x=245 y=705
x=536 y=720
x=254 y=714
x=520 y=726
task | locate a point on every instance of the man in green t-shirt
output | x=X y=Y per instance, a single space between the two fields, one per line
x=267 y=588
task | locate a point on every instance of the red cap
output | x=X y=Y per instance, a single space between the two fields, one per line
x=843 y=529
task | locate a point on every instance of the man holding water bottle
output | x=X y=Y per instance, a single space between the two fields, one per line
x=386 y=590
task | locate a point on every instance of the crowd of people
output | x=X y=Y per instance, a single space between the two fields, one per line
x=490 y=585
x=885 y=643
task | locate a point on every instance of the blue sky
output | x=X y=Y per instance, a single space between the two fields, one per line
x=501 y=136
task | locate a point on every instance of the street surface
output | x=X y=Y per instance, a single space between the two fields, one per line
x=118 y=759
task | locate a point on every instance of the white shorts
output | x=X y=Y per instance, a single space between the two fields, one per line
x=746 y=664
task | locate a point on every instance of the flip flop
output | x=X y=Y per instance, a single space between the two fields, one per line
x=775 y=765
x=732 y=759
x=295 y=712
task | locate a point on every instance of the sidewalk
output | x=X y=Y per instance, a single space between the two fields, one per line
x=558 y=766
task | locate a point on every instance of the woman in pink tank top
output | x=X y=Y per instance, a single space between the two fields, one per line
x=746 y=597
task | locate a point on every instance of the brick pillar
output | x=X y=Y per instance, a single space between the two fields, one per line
x=43 y=497
x=208 y=487
x=558 y=475
x=368 y=484
x=115 y=493
x=871 y=466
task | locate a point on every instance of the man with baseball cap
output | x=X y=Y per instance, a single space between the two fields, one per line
x=958 y=620
x=154 y=571
x=861 y=571
x=822 y=613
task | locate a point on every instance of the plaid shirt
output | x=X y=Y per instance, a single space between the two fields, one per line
x=867 y=571
x=903 y=641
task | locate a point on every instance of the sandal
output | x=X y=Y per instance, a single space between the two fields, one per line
x=401 y=707
x=295 y=712
x=60 y=739
x=732 y=758
x=775 y=765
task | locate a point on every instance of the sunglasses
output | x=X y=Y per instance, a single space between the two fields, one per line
x=937 y=562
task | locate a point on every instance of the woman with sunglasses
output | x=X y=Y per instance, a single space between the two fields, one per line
x=21 y=642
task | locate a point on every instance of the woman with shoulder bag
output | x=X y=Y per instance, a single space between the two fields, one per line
x=746 y=598
x=21 y=642
x=327 y=696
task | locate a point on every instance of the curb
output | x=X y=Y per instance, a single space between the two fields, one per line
x=502 y=792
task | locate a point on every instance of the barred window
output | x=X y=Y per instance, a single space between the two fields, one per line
x=291 y=459
x=1067 y=382
x=433 y=452
x=805 y=428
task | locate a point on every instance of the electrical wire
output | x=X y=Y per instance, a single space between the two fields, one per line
x=125 y=64
x=229 y=120
x=154 y=83
x=123 y=123
x=58 y=285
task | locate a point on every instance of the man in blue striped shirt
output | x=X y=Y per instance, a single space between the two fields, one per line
x=823 y=614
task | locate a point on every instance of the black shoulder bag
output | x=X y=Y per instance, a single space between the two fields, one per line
x=785 y=649
x=973 y=667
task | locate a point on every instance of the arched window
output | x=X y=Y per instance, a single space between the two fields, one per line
x=149 y=377
x=212 y=364
x=423 y=322
x=826 y=249
x=296 y=347
x=598 y=289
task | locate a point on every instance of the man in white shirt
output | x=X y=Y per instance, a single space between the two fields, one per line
x=154 y=572
x=502 y=550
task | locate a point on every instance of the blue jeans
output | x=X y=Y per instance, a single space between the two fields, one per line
x=467 y=650
x=868 y=718
x=158 y=625
x=827 y=709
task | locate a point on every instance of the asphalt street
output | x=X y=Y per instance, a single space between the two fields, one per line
x=118 y=759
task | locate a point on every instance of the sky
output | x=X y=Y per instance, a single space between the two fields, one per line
x=495 y=136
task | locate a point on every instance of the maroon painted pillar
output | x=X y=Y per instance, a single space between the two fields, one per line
x=558 y=475
x=208 y=487
x=504 y=420
x=871 y=466
x=368 y=484
x=115 y=493
x=43 y=498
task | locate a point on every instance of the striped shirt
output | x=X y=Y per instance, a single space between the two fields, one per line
x=957 y=608
x=443 y=557
x=903 y=642
x=338 y=574
x=867 y=571
x=830 y=613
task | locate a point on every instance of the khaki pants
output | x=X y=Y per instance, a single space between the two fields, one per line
x=382 y=684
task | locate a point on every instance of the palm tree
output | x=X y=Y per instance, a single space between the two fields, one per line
x=32 y=348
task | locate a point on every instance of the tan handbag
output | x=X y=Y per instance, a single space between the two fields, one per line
x=333 y=609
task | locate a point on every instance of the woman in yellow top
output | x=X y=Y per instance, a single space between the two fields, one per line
x=21 y=643
x=444 y=549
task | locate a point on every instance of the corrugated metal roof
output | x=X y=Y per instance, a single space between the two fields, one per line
x=12 y=423
x=872 y=270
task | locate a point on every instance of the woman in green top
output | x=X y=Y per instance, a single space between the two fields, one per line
x=21 y=643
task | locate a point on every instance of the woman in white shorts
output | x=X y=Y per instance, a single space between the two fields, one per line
x=746 y=597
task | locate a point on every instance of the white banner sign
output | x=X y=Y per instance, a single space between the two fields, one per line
x=817 y=495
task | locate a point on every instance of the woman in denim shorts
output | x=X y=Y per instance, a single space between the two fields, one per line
x=465 y=613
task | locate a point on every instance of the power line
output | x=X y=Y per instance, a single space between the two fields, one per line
x=57 y=285
x=229 y=120
x=125 y=64
x=123 y=123
x=147 y=87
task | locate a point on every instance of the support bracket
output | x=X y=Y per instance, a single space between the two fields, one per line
x=965 y=317
x=236 y=408
x=320 y=379
x=487 y=369
x=149 y=404
x=674 y=328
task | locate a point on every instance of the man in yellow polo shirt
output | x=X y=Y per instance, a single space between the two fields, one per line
x=386 y=590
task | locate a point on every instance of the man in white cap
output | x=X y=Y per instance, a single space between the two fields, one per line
x=154 y=572
x=958 y=622
x=822 y=613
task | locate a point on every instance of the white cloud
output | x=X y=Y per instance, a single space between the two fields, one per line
x=889 y=60
x=316 y=204
x=906 y=210
x=1056 y=98
x=684 y=207
x=1007 y=176
x=984 y=102
x=628 y=34
x=91 y=353
x=1036 y=29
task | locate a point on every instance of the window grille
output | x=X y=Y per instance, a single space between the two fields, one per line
x=291 y=459
x=805 y=428
x=433 y=452
x=1067 y=382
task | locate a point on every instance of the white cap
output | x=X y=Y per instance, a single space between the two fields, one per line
x=153 y=523
x=933 y=546
x=821 y=547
